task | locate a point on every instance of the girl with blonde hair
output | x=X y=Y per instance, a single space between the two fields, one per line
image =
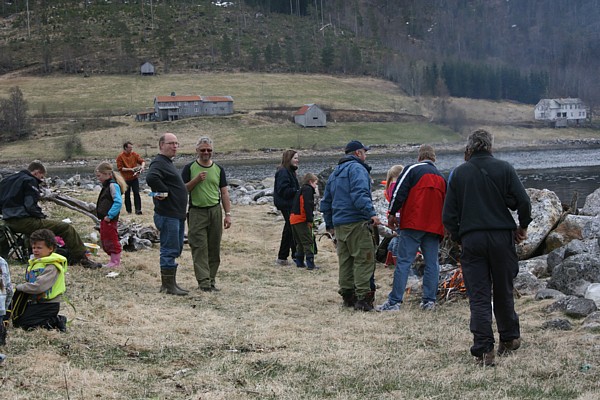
x=108 y=208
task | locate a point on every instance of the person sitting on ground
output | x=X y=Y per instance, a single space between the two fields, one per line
x=108 y=208
x=42 y=293
x=301 y=220
x=6 y=293
x=19 y=196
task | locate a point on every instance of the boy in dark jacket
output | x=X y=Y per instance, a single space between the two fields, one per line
x=301 y=219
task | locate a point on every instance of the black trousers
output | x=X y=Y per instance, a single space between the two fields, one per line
x=42 y=315
x=287 y=245
x=133 y=186
x=490 y=263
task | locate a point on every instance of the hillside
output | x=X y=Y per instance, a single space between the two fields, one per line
x=478 y=48
x=89 y=118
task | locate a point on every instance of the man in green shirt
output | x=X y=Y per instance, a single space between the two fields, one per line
x=206 y=183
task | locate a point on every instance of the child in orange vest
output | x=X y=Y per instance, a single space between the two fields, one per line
x=301 y=220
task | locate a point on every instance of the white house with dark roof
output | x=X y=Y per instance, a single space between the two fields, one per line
x=561 y=111
x=310 y=116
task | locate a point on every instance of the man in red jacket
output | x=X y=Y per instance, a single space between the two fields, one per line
x=416 y=210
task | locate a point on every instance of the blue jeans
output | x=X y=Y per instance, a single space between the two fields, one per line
x=171 y=239
x=409 y=241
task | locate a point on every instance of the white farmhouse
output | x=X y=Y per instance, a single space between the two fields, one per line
x=561 y=112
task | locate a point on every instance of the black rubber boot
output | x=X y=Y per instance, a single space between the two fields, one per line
x=175 y=280
x=167 y=276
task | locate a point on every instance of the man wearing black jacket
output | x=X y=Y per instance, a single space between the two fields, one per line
x=170 y=207
x=19 y=197
x=476 y=213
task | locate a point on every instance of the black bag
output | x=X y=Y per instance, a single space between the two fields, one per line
x=382 y=249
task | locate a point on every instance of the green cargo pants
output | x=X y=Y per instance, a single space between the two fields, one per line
x=356 y=256
x=66 y=231
x=205 y=229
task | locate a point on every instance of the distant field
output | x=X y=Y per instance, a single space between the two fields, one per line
x=97 y=111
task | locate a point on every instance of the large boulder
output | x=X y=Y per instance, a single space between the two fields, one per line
x=546 y=210
x=568 y=229
x=592 y=204
x=575 y=274
x=538 y=266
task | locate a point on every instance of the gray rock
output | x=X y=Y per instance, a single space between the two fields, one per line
x=527 y=284
x=571 y=275
x=567 y=230
x=549 y=294
x=554 y=258
x=538 y=266
x=560 y=304
x=235 y=182
x=592 y=204
x=580 y=308
x=591 y=229
x=265 y=200
x=546 y=210
x=258 y=195
x=558 y=324
x=592 y=322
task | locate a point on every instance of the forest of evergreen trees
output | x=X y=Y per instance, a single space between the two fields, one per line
x=493 y=49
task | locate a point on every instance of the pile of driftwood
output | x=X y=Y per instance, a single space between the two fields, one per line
x=133 y=237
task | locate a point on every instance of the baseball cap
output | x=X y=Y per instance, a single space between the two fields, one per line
x=355 y=145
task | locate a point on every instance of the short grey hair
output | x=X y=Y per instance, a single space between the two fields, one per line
x=480 y=140
x=204 y=140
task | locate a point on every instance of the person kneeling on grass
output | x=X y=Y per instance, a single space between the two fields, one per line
x=40 y=297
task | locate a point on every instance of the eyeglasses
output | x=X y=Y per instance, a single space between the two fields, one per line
x=173 y=143
x=205 y=150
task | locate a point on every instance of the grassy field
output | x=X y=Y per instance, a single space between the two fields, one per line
x=96 y=111
x=274 y=333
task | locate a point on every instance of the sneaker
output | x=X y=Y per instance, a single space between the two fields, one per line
x=282 y=262
x=487 y=359
x=387 y=306
x=87 y=263
x=427 y=305
x=505 y=348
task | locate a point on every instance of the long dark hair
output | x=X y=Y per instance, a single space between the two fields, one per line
x=286 y=159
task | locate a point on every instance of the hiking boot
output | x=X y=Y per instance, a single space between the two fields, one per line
x=213 y=288
x=487 y=359
x=349 y=300
x=205 y=289
x=388 y=306
x=427 y=305
x=505 y=348
x=138 y=212
x=281 y=262
x=363 y=305
x=87 y=263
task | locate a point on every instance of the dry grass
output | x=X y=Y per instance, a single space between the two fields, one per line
x=274 y=333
